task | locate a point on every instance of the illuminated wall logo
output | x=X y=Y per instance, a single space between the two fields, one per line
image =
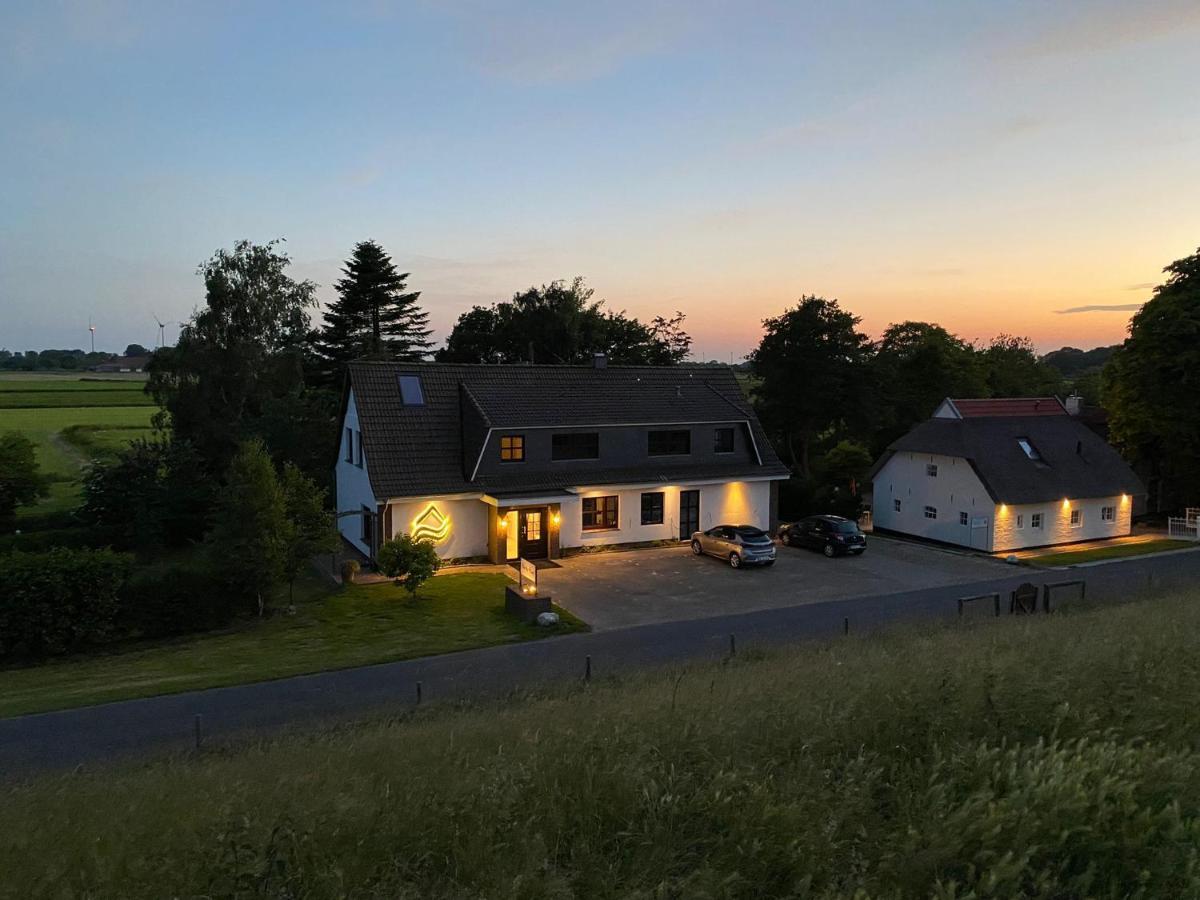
x=431 y=525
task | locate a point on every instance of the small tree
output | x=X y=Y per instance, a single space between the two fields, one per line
x=410 y=563
x=251 y=529
x=21 y=482
x=310 y=525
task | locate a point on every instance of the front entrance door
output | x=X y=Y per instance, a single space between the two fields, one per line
x=689 y=514
x=531 y=533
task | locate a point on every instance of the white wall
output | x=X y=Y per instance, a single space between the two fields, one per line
x=468 y=524
x=1014 y=524
x=955 y=490
x=733 y=503
x=352 y=487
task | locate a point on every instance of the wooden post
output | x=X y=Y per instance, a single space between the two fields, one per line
x=732 y=646
x=587 y=668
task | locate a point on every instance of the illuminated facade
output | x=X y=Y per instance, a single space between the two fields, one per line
x=1001 y=475
x=504 y=462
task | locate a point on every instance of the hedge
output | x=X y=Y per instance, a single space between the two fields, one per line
x=60 y=601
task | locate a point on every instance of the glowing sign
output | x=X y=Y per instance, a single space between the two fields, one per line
x=431 y=525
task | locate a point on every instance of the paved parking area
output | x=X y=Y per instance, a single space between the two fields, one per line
x=617 y=590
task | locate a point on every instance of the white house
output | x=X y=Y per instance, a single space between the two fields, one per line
x=1003 y=474
x=499 y=462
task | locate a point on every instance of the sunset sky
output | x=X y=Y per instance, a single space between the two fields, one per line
x=987 y=165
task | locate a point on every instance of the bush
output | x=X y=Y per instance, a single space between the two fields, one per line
x=60 y=601
x=175 y=598
x=410 y=563
x=151 y=494
x=42 y=541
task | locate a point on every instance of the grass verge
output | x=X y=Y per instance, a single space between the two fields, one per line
x=1038 y=757
x=1116 y=551
x=358 y=625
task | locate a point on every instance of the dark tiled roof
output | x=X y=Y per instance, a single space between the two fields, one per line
x=1010 y=406
x=416 y=450
x=1075 y=462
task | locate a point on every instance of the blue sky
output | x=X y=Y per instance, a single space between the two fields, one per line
x=981 y=164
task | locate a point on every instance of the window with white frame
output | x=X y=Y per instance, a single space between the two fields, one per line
x=1108 y=514
x=896 y=505
x=931 y=512
x=1077 y=518
x=1035 y=520
x=964 y=519
x=931 y=470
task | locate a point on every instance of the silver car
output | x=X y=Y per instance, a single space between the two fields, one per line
x=738 y=545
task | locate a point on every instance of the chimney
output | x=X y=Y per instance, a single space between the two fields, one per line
x=599 y=361
x=1073 y=404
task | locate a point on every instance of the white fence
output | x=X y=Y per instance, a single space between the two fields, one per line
x=1186 y=527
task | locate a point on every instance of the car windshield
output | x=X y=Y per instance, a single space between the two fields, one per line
x=843 y=527
x=750 y=533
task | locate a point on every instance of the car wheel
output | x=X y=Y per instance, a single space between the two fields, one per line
x=696 y=548
x=829 y=551
x=735 y=561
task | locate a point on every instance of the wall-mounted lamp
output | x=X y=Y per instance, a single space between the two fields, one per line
x=555 y=518
x=1066 y=503
x=503 y=522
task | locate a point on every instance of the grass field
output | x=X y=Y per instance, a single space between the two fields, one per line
x=356 y=626
x=1116 y=551
x=1050 y=757
x=113 y=412
x=28 y=393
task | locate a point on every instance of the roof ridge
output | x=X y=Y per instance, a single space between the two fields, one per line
x=587 y=367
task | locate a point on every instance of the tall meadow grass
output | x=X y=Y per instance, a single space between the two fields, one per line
x=1041 y=757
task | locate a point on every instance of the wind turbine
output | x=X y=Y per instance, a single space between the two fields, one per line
x=162 y=333
x=92 y=329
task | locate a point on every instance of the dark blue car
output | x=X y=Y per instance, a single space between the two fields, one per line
x=832 y=535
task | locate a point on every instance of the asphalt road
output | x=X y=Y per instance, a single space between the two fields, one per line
x=166 y=724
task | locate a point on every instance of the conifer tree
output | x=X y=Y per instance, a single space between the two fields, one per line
x=374 y=316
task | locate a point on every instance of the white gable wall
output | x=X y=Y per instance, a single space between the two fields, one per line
x=955 y=490
x=352 y=487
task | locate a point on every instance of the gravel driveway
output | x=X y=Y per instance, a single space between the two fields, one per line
x=639 y=587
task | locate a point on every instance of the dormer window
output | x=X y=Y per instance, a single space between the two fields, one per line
x=1031 y=451
x=410 y=390
x=512 y=448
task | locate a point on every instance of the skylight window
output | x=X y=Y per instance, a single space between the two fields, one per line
x=410 y=390
x=1030 y=450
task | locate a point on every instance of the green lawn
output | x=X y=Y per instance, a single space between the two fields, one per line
x=1032 y=757
x=1116 y=551
x=57 y=458
x=356 y=626
x=42 y=399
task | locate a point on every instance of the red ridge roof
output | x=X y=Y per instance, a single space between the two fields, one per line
x=1010 y=406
